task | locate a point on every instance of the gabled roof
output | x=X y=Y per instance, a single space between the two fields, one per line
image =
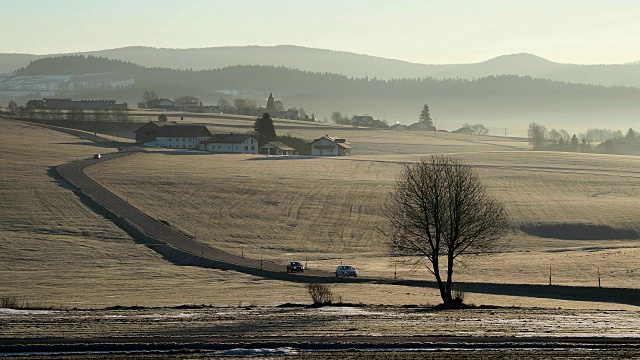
x=338 y=141
x=184 y=131
x=280 y=145
x=230 y=138
x=157 y=124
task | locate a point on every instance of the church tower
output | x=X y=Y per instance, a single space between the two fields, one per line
x=271 y=104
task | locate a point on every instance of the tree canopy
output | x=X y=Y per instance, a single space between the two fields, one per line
x=263 y=129
x=438 y=212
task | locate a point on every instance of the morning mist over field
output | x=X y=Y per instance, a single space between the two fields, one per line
x=338 y=179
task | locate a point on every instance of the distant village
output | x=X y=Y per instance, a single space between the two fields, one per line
x=172 y=135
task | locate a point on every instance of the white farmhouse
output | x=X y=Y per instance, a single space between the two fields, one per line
x=277 y=148
x=231 y=143
x=328 y=146
x=182 y=136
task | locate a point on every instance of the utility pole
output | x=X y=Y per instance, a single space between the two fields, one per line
x=598 y=277
x=505 y=132
x=549 y=275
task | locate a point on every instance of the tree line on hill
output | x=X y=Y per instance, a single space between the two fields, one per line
x=282 y=79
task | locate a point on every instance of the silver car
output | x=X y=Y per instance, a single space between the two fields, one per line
x=346 y=270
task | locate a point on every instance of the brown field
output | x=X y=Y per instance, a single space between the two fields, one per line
x=53 y=248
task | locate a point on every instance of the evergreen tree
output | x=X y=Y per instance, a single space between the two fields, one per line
x=425 y=117
x=574 y=143
x=631 y=135
x=264 y=130
x=585 y=146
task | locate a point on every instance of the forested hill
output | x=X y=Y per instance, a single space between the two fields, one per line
x=356 y=65
x=498 y=101
x=77 y=65
x=286 y=80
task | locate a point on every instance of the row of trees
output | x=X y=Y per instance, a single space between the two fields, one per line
x=555 y=140
x=477 y=129
x=611 y=141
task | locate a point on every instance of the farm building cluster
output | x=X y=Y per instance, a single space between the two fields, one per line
x=172 y=135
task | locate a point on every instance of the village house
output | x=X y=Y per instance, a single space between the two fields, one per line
x=68 y=104
x=212 y=109
x=230 y=143
x=35 y=104
x=182 y=136
x=148 y=132
x=328 y=146
x=277 y=148
x=189 y=105
x=161 y=103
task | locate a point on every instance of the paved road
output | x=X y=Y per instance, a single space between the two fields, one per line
x=73 y=172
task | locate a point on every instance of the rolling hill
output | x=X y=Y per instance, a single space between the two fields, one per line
x=353 y=65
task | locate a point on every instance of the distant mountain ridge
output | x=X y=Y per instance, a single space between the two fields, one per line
x=506 y=101
x=352 y=64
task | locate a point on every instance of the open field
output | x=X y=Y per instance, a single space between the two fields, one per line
x=54 y=251
x=364 y=140
x=323 y=209
x=370 y=141
x=569 y=206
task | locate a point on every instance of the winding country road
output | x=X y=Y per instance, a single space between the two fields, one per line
x=73 y=172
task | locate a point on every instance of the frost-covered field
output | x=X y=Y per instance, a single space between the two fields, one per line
x=256 y=321
x=371 y=332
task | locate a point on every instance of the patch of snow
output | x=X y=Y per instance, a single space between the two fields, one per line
x=24 y=312
x=276 y=351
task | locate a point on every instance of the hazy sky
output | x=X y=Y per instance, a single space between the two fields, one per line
x=425 y=31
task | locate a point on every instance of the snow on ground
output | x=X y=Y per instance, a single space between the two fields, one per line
x=24 y=312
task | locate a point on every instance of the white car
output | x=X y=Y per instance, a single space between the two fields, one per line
x=346 y=270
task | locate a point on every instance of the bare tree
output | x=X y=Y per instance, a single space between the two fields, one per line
x=149 y=96
x=438 y=212
x=537 y=134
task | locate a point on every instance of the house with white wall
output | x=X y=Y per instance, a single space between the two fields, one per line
x=230 y=143
x=182 y=136
x=329 y=146
x=277 y=148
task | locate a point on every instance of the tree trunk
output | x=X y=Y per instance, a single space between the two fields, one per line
x=449 y=278
x=441 y=286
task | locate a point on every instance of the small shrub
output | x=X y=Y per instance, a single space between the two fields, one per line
x=320 y=293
